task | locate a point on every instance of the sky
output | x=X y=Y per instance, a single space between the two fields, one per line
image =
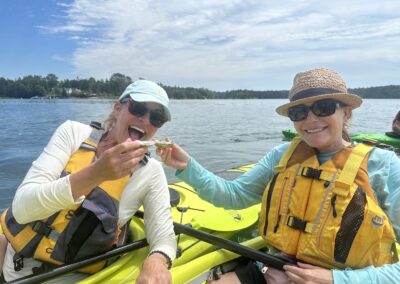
x=219 y=45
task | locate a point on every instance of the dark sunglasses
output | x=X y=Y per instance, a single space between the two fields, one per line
x=156 y=117
x=320 y=108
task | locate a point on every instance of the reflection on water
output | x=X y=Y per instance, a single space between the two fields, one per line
x=220 y=134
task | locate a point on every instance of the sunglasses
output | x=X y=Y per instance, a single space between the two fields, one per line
x=320 y=108
x=156 y=117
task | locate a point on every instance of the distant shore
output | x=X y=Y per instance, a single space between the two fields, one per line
x=50 y=87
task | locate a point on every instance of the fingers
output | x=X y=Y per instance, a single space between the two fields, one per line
x=126 y=147
x=294 y=278
x=120 y=160
x=306 y=273
x=306 y=265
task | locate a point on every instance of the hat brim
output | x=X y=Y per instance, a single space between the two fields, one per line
x=145 y=98
x=351 y=100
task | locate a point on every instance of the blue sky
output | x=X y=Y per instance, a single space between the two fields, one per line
x=220 y=45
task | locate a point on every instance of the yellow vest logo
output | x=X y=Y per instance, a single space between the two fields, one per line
x=377 y=221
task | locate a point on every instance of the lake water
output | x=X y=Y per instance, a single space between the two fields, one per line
x=220 y=134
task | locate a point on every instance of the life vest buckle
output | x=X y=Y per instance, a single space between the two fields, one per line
x=18 y=262
x=42 y=228
x=310 y=173
x=296 y=223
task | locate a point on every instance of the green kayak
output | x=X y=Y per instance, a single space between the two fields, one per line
x=381 y=140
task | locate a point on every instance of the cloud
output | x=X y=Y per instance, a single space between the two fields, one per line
x=222 y=44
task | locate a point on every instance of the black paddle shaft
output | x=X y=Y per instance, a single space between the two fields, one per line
x=267 y=259
x=80 y=264
x=251 y=253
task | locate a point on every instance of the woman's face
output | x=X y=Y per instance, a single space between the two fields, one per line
x=129 y=126
x=324 y=133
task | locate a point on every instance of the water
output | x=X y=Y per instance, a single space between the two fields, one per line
x=220 y=134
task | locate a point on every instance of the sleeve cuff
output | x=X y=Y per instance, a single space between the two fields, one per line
x=169 y=261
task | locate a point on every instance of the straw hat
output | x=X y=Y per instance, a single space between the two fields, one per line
x=318 y=84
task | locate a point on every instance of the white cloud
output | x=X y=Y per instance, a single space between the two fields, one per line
x=232 y=44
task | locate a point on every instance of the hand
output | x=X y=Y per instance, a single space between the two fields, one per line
x=114 y=163
x=306 y=273
x=119 y=160
x=154 y=270
x=174 y=157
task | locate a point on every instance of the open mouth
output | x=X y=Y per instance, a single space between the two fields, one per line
x=315 y=130
x=135 y=133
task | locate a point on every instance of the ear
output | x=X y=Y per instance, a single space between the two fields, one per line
x=347 y=111
x=117 y=107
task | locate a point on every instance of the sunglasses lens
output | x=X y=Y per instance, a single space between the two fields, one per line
x=137 y=109
x=324 y=107
x=298 y=113
x=157 y=118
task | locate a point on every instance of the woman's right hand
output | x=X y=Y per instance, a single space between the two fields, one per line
x=174 y=157
x=116 y=162
x=120 y=160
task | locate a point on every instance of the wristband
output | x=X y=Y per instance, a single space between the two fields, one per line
x=169 y=261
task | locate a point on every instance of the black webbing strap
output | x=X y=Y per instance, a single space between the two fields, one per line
x=296 y=223
x=311 y=173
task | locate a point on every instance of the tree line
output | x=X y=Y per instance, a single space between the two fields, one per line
x=50 y=86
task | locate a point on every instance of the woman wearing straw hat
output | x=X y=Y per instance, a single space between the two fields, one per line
x=79 y=195
x=327 y=202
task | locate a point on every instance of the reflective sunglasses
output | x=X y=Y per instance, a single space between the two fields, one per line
x=156 y=117
x=320 y=108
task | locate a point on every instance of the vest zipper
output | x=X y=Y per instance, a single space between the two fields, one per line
x=267 y=207
x=323 y=224
x=326 y=196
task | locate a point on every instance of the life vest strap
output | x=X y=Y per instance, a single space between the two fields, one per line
x=93 y=140
x=352 y=165
x=286 y=156
x=45 y=230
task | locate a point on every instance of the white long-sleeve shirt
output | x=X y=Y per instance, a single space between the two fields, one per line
x=43 y=193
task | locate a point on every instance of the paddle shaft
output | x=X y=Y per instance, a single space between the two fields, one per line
x=254 y=254
x=80 y=264
x=251 y=253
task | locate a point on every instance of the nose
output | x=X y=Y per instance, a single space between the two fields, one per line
x=311 y=116
x=145 y=118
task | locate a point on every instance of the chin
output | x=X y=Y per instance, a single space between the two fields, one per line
x=317 y=143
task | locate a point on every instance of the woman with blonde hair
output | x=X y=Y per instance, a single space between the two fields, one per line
x=78 y=197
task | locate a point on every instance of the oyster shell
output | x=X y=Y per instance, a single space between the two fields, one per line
x=162 y=144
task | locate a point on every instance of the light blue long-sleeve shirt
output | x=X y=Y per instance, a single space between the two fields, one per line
x=247 y=189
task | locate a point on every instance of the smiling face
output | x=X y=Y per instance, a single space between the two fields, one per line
x=129 y=126
x=324 y=133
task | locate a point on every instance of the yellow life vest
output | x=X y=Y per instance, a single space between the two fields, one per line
x=82 y=231
x=326 y=214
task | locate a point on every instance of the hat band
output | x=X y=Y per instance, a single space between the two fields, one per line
x=313 y=92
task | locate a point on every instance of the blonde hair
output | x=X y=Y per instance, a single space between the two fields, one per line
x=346 y=128
x=110 y=120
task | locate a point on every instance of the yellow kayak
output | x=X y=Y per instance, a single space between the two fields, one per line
x=196 y=257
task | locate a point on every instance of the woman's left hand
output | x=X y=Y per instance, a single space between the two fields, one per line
x=154 y=270
x=306 y=273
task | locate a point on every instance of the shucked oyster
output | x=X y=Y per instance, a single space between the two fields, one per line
x=157 y=143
